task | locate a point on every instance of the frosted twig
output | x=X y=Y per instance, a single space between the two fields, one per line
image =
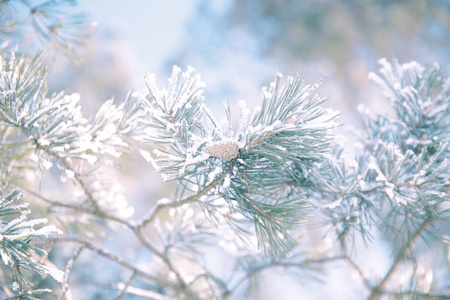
x=136 y=230
x=69 y=266
x=378 y=290
x=189 y=199
x=272 y=264
x=116 y=259
x=123 y=289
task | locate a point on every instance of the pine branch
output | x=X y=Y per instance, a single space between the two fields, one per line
x=137 y=230
x=16 y=232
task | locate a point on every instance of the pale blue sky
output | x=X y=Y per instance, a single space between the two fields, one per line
x=153 y=30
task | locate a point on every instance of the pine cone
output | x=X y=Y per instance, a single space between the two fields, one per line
x=226 y=150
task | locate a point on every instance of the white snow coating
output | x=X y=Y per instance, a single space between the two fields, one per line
x=212 y=175
x=47 y=164
x=70 y=174
x=333 y=204
x=226 y=181
x=389 y=192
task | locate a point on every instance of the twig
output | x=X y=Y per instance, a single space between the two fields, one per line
x=416 y=293
x=137 y=230
x=360 y=272
x=116 y=259
x=272 y=264
x=376 y=291
x=189 y=199
x=69 y=266
x=125 y=286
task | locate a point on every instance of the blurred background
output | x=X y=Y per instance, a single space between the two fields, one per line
x=237 y=47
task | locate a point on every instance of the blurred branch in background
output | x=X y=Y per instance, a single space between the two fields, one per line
x=341 y=40
x=51 y=23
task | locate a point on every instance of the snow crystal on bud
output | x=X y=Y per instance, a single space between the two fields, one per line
x=353 y=163
x=227 y=181
x=188 y=72
x=224 y=150
x=162 y=201
x=47 y=164
x=359 y=146
x=290 y=79
x=241 y=161
x=188 y=214
x=380 y=176
x=107 y=132
x=333 y=204
x=139 y=95
x=413 y=65
x=169 y=177
x=384 y=63
x=389 y=192
x=172 y=212
x=176 y=70
x=372 y=164
x=265 y=93
x=91 y=159
x=213 y=174
x=5 y=257
x=58 y=275
x=190 y=69
x=43 y=142
x=363 y=109
x=375 y=78
x=70 y=173
x=34 y=157
x=58 y=149
x=150 y=79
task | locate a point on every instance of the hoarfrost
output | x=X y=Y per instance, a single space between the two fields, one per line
x=212 y=175
x=146 y=155
x=70 y=174
x=47 y=164
x=226 y=181
x=389 y=192
x=333 y=204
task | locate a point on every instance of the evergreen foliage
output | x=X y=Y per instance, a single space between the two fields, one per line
x=247 y=195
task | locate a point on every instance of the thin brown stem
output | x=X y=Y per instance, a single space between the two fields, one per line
x=378 y=290
x=125 y=287
x=360 y=272
x=118 y=260
x=190 y=199
x=304 y=264
x=69 y=266
x=136 y=230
